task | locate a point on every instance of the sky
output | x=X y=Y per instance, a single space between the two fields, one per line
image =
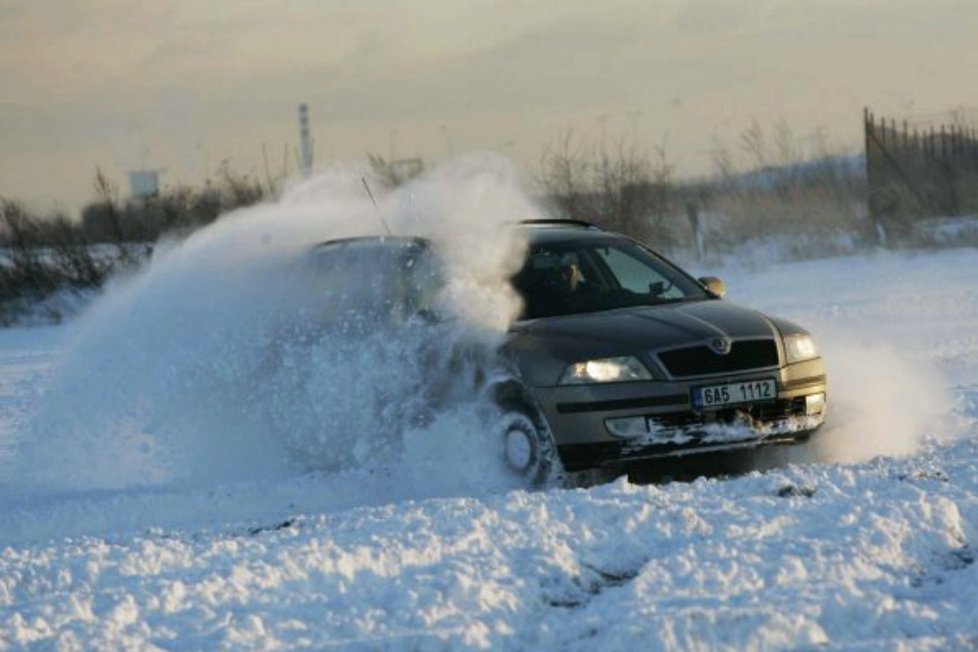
x=183 y=85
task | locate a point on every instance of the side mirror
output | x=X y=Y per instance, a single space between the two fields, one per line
x=714 y=286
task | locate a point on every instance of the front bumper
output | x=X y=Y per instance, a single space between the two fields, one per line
x=663 y=421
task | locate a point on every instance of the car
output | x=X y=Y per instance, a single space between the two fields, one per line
x=619 y=356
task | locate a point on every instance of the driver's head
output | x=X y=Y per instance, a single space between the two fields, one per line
x=570 y=272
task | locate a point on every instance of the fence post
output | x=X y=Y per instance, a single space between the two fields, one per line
x=877 y=176
x=872 y=201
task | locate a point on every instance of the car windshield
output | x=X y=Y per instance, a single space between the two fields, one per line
x=568 y=278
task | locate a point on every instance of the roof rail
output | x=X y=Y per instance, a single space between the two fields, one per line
x=558 y=221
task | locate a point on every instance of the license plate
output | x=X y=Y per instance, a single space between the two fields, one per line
x=750 y=391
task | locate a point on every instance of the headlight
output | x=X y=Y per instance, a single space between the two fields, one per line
x=799 y=348
x=606 y=370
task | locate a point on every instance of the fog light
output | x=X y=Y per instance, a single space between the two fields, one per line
x=627 y=427
x=814 y=404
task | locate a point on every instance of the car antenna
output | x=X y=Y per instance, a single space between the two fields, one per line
x=374 y=202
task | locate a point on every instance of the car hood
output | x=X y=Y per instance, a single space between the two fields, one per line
x=660 y=326
x=545 y=346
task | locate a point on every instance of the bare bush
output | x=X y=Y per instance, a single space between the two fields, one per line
x=22 y=271
x=624 y=187
x=42 y=255
x=818 y=198
x=177 y=211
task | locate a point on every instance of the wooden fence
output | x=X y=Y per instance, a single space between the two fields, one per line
x=913 y=173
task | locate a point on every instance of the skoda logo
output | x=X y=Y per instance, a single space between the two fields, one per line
x=721 y=345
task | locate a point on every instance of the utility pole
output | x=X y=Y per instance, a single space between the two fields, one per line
x=305 y=142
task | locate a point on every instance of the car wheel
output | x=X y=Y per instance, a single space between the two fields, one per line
x=528 y=447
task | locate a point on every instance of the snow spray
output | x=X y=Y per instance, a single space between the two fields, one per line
x=212 y=364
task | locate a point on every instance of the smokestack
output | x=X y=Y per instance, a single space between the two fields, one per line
x=305 y=142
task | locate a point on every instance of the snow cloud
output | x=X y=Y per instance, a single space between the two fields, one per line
x=231 y=357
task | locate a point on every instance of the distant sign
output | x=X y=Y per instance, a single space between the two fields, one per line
x=144 y=183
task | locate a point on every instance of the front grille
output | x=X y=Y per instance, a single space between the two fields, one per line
x=702 y=360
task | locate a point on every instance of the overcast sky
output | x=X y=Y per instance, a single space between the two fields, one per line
x=185 y=84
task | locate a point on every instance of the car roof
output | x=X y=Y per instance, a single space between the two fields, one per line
x=539 y=231
x=547 y=234
x=549 y=230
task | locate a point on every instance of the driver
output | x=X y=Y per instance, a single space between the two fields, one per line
x=566 y=277
x=567 y=290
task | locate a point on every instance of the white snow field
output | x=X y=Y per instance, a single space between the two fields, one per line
x=163 y=487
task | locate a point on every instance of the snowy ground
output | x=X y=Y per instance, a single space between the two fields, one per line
x=864 y=541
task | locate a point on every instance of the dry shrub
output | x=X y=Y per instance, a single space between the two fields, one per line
x=622 y=187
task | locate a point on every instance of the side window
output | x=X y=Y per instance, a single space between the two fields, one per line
x=636 y=276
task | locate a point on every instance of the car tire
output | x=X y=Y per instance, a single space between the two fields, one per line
x=528 y=446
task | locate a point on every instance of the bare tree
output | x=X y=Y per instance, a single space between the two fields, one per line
x=785 y=144
x=615 y=183
x=723 y=162
x=754 y=143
